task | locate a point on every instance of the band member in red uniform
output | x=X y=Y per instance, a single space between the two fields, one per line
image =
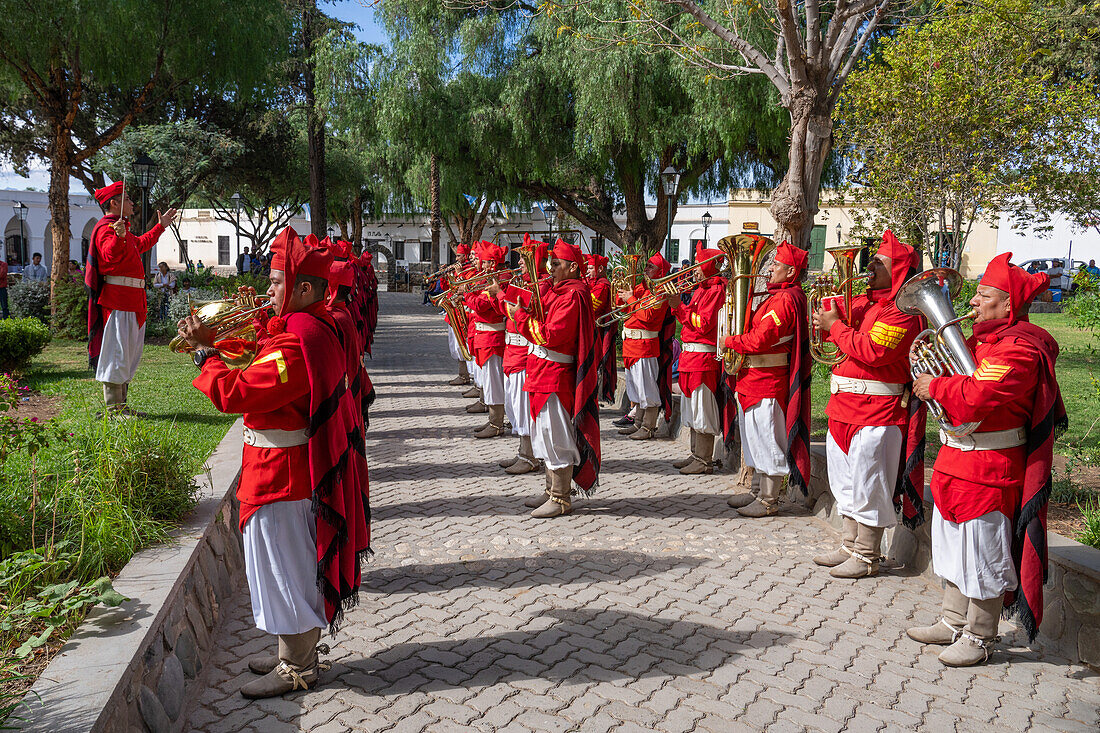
x=461 y=263
x=600 y=287
x=991 y=487
x=561 y=382
x=699 y=365
x=517 y=406
x=340 y=282
x=875 y=442
x=116 y=307
x=487 y=343
x=473 y=268
x=302 y=499
x=647 y=356
x=773 y=401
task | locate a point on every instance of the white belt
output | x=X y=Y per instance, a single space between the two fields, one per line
x=697 y=348
x=516 y=339
x=756 y=361
x=275 y=438
x=544 y=353
x=992 y=440
x=639 y=333
x=129 y=282
x=865 y=386
x=488 y=327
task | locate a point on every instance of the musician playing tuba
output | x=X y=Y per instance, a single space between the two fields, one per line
x=989 y=520
x=874 y=447
x=773 y=386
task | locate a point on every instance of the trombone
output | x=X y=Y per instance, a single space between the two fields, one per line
x=660 y=289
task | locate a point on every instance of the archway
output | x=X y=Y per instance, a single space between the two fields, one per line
x=85 y=242
x=15 y=247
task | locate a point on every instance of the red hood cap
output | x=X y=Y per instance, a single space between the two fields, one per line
x=702 y=253
x=542 y=249
x=596 y=261
x=1021 y=286
x=490 y=251
x=341 y=272
x=291 y=255
x=791 y=256
x=663 y=267
x=903 y=259
x=105 y=194
x=565 y=251
x=462 y=249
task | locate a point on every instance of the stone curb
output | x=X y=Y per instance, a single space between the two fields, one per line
x=131 y=667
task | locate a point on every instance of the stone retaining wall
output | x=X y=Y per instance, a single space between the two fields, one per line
x=131 y=668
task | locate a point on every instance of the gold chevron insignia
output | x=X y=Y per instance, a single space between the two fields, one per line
x=280 y=364
x=987 y=372
x=886 y=335
x=775 y=317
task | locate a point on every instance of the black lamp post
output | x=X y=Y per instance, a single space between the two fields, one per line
x=551 y=214
x=145 y=172
x=21 y=212
x=706 y=225
x=838 y=242
x=670 y=181
x=236 y=198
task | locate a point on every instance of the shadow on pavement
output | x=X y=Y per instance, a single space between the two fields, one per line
x=583 y=646
x=547 y=568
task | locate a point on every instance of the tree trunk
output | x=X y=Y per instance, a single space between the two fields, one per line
x=58 y=198
x=437 y=216
x=794 y=201
x=315 y=131
x=357 y=224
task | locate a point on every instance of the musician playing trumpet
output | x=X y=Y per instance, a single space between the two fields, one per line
x=773 y=400
x=989 y=488
x=699 y=364
x=487 y=342
x=461 y=268
x=647 y=360
x=873 y=447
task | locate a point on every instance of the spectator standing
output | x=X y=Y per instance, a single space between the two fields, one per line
x=201 y=267
x=254 y=265
x=165 y=280
x=75 y=273
x=1092 y=269
x=185 y=287
x=36 y=271
x=3 y=288
x=243 y=262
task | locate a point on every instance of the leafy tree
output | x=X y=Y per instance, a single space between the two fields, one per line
x=74 y=77
x=953 y=123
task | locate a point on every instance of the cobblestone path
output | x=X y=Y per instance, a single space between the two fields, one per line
x=652 y=607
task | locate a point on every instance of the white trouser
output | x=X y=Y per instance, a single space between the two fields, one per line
x=452 y=344
x=280 y=562
x=123 y=340
x=492 y=381
x=475 y=371
x=700 y=411
x=641 y=383
x=863 y=481
x=764 y=437
x=552 y=436
x=517 y=406
x=975 y=555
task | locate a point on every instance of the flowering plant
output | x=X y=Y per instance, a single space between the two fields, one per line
x=16 y=433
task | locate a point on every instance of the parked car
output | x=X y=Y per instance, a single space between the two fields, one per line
x=1065 y=280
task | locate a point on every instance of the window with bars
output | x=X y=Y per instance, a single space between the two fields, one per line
x=223 y=250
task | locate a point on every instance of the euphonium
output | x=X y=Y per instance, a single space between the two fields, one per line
x=530 y=262
x=624 y=276
x=746 y=254
x=456 y=319
x=828 y=285
x=229 y=319
x=939 y=350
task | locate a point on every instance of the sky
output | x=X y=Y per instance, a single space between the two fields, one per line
x=358 y=12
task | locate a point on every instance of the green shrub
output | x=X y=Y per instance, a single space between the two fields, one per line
x=1090 y=512
x=1084 y=310
x=21 y=339
x=961 y=301
x=178 y=307
x=30 y=299
x=70 y=320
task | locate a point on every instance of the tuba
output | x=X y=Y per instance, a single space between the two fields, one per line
x=939 y=350
x=746 y=254
x=456 y=319
x=528 y=253
x=229 y=319
x=829 y=285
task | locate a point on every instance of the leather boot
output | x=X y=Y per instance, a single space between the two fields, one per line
x=947 y=629
x=975 y=644
x=767 y=503
x=505 y=462
x=477 y=408
x=496 y=423
x=114 y=399
x=746 y=495
x=297 y=668
x=526 y=463
x=649 y=424
x=125 y=409
x=263 y=663
x=536 y=501
x=865 y=556
x=848 y=529
x=702 y=460
x=558 y=504
x=463 y=377
x=681 y=462
x=472 y=392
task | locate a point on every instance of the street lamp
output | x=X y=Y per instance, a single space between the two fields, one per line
x=145 y=172
x=551 y=214
x=20 y=209
x=838 y=234
x=236 y=198
x=706 y=225
x=670 y=180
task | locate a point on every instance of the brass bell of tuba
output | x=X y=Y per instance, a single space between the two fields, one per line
x=746 y=254
x=229 y=319
x=939 y=350
x=839 y=283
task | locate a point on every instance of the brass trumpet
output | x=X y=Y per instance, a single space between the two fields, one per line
x=482 y=279
x=229 y=319
x=828 y=285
